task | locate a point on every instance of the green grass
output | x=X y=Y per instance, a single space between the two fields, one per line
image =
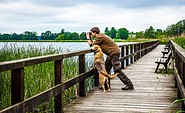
x=180 y=41
x=40 y=77
x=176 y=101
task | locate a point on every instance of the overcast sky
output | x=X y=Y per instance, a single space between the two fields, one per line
x=80 y=15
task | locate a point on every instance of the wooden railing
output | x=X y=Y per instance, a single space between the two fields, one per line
x=178 y=56
x=129 y=54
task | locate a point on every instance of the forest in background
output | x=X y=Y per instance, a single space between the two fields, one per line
x=177 y=29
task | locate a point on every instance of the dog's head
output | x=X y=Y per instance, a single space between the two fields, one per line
x=96 y=48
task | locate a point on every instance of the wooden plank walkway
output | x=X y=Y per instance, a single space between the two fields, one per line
x=153 y=92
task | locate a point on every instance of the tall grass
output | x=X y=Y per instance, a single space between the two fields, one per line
x=180 y=41
x=40 y=77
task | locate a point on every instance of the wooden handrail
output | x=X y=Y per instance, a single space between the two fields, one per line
x=10 y=65
x=178 y=56
x=19 y=105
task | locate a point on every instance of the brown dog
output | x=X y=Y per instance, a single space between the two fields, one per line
x=99 y=63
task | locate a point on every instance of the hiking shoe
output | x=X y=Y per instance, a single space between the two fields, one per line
x=128 y=88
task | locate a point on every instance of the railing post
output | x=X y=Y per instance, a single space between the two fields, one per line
x=148 y=49
x=122 y=55
x=135 y=56
x=147 y=45
x=144 y=48
x=82 y=91
x=178 y=69
x=131 y=51
x=142 y=52
x=17 y=85
x=144 y=45
x=127 y=53
x=58 y=80
x=152 y=44
x=183 y=73
x=175 y=57
x=183 y=82
x=96 y=78
x=139 y=48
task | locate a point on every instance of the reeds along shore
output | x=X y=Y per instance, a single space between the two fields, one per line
x=37 y=77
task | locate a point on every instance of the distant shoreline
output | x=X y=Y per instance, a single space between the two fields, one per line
x=43 y=40
x=116 y=40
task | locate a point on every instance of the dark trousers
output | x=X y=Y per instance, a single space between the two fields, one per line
x=115 y=63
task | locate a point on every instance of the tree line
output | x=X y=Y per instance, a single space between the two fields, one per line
x=173 y=30
x=48 y=35
x=122 y=33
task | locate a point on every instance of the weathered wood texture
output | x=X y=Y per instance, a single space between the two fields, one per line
x=178 y=55
x=153 y=93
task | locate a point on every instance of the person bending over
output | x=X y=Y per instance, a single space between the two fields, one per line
x=111 y=49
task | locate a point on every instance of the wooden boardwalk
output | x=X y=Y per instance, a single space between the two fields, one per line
x=153 y=92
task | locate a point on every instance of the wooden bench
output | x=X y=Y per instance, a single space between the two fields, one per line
x=167 y=48
x=165 y=51
x=163 y=61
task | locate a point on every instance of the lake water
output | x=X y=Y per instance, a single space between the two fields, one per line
x=71 y=46
x=66 y=46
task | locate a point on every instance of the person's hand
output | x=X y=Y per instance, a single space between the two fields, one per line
x=87 y=35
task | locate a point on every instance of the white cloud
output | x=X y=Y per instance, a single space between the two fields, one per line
x=133 y=19
x=21 y=16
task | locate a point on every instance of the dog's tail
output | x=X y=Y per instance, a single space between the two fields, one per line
x=108 y=75
x=113 y=75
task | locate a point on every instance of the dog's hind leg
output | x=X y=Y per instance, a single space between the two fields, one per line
x=107 y=82
x=102 y=82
